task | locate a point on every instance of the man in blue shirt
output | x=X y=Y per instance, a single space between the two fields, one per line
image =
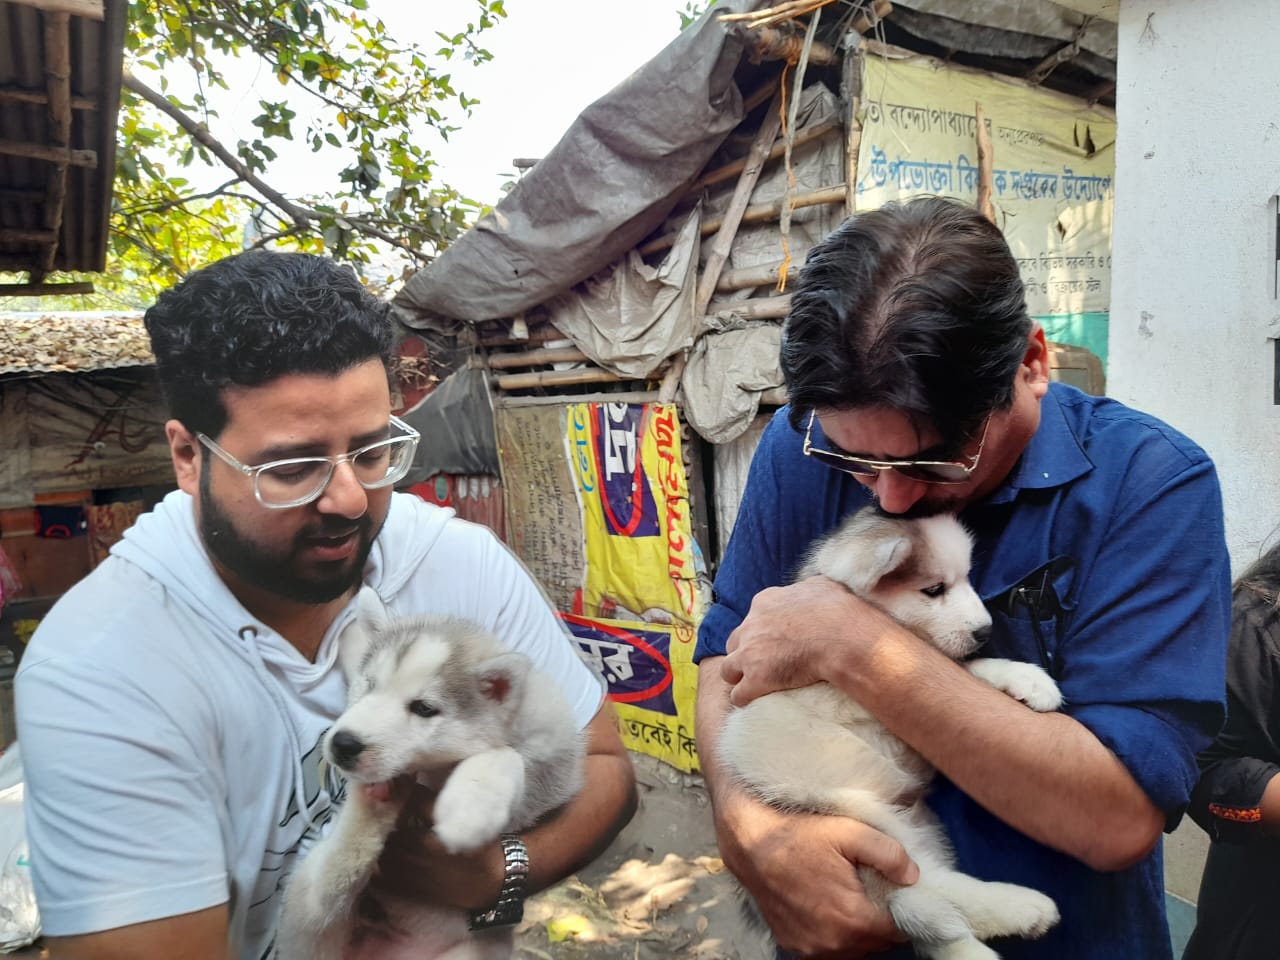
x=917 y=379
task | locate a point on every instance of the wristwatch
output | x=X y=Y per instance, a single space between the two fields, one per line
x=509 y=910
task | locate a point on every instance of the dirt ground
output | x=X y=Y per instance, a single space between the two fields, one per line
x=660 y=891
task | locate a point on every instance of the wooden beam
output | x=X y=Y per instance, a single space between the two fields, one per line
x=530 y=358
x=37 y=151
x=18 y=235
x=555 y=378
x=986 y=163
x=731 y=170
x=758 y=276
x=44 y=289
x=727 y=230
x=760 y=213
x=24 y=95
x=89 y=9
x=770 y=43
x=57 y=71
x=758 y=308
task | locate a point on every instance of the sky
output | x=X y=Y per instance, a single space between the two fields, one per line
x=551 y=58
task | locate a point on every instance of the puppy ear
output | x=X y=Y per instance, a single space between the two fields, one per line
x=861 y=557
x=372 y=618
x=501 y=678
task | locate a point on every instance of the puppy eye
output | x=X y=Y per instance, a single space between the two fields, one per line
x=937 y=590
x=423 y=709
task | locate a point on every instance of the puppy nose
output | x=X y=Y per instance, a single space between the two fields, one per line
x=345 y=747
x=982 y=634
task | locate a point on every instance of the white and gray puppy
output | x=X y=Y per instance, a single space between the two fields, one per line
x=437 y=699
x=817 y=750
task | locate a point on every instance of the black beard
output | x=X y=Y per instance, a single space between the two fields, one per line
x=277 y=572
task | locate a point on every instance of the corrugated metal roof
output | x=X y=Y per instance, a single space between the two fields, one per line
x=72 y=342
x=96 y=57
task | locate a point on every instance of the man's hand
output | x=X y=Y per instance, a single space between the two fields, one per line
x=416 y=866
x=801 y=870
x=784 y=642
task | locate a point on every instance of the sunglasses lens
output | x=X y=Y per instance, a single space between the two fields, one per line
x=935 y=472
x=827 y=458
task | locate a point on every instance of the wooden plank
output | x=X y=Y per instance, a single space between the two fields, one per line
x=44 y=289
x=21 y=195
x=629 y=396
x=38 y=151
x=25 y=95
x=728 y=229
x=89 y=9
x=760 y=213
x=15 y=464
x=19 y=235
x=57 y=70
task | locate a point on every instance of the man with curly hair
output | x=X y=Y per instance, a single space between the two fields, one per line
x=172 y=704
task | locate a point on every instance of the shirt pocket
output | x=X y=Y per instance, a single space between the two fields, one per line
x=1030 y=613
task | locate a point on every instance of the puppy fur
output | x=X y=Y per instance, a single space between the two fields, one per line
x=440 y=700
x=815 y=749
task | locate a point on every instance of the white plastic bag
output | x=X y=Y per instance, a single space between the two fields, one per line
x=19 y=916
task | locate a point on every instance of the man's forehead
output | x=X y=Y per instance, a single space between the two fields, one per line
x=880 y=433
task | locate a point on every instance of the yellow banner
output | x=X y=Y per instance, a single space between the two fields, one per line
x=1053 y=168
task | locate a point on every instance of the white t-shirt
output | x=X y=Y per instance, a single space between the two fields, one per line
x=171 y=741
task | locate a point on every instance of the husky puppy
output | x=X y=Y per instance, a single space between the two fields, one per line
x=439 y=699
x=815 y=749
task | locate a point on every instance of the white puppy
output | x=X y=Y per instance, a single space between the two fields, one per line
x=815 y=749
x=437 y=699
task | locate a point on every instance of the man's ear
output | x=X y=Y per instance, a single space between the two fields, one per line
x=184 y=450
x=1036 y=361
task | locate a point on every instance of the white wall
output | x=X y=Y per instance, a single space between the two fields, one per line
x=1192 y=302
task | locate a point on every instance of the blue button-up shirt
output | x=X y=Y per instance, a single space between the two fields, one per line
x=1102 y=557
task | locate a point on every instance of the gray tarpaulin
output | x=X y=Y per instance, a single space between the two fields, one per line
x=726 y=373
x=609 y=182
x=632 y=316
x=456 y=423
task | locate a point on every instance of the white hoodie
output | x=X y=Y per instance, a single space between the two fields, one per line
x=171 y=741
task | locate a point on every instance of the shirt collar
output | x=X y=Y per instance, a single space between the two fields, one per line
x=1053 y=457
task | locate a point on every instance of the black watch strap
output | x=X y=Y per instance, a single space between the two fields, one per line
x=509 y=910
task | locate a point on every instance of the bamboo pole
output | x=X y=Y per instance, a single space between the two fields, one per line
x=731 y=170
x=555 y=378
x=760 y=213
x=728 y=229
x=89 y=9
x=629 y=396
x=770 y=43
x=985 y=164
x=531 y=358
x=538 y=336
x=851 y=81
x=758 y=276
x=759 y=308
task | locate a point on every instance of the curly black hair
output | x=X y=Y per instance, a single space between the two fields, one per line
x=257 y=316
x=917 y=306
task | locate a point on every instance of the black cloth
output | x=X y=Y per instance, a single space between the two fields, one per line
x=1238 y=914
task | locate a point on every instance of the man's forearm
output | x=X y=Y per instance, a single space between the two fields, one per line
x=589 y=822
x=1044 y=774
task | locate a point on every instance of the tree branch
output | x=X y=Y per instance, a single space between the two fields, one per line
x=200 y=133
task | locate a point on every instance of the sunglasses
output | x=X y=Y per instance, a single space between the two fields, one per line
x=925 y=471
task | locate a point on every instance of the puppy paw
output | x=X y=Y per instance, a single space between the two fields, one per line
x=1022 y=681
x=1023 y=912
x=476 y=803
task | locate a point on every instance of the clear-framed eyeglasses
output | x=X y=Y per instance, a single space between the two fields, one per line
x=925 y=471
x=297 y=481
